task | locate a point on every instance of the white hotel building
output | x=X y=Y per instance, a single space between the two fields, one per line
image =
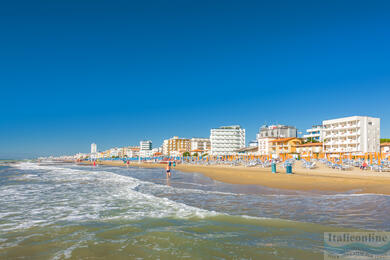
x=145 y=145
x=93 y=148
x=200 y=144
x=356 y=135
x=314 y=133
x=226 y=140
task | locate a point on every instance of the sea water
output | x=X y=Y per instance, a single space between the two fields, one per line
x=65 y=211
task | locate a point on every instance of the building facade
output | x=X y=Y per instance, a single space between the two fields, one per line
x=253 y=143
x=93 y=148
x=226 y=140
x=145 y=145
x=284 y=146
x=314 y=133
x=309 y=148
x=277 y=131
x=264 y=145
x=356 y=134
x=176 y=146
x=131 y=151
x=200 y=144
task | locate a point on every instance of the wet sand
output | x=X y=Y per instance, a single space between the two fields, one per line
x=319 y=179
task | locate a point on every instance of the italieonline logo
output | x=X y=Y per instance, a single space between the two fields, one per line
x=357 y=245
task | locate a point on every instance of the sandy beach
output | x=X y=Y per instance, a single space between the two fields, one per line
x=319 y=179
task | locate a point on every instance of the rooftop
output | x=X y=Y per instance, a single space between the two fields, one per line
x=248 y=149
x=283 y=139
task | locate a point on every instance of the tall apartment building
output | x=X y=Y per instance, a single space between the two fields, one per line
x=176 y=146
x=93 y=148
x=314 y=133
x=277 y=131
x=356 y=134
x=227 y=139
x=145 y=145
x=200 y=144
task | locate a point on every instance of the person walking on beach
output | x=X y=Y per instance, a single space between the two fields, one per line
x=168 y=170
x=127 y=163
x=174 y=164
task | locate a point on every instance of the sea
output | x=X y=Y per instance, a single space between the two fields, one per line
x=68 y=211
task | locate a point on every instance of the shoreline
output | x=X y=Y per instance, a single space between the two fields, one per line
x=320 y=179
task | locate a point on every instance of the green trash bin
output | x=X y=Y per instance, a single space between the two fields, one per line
x=273 y=167
x=289 y=169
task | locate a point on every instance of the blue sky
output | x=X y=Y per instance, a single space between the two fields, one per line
x=116 y=72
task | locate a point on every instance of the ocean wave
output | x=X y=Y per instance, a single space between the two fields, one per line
x=69 y=195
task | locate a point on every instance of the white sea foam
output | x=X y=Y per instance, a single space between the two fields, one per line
x=69 y=195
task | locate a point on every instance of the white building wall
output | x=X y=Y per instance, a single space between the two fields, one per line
x=200 y=143
x=356 y=134
x=145 y=153
x=93 y=148
x=277 y=131
x=145 y=145
x=165 y=147
x=263 y=145
x=227 y=140
x=315 y=132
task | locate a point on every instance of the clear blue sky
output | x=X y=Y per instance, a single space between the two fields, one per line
x=115 y=72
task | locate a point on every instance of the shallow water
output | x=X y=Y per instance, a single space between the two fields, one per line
x=58 y=211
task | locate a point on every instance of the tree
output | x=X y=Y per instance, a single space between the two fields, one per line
x=385 y=140
x=310 y=140
x=195 y=154
x=185 y=154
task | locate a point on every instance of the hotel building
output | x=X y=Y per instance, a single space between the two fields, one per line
x=93 y=148
x=356 y=134
x=314 y=133
x=131 y=151
x=145 y=145
x=277 y=131
x=200 y=144
x=264 y=145
x=309 y=148
x=268 y=133
x=226 y=140
x=176 y=146
x=283 y=146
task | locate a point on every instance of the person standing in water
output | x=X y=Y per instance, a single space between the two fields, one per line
x=168 y=170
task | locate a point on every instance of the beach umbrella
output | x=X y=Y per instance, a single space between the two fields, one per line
x=370 y=158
